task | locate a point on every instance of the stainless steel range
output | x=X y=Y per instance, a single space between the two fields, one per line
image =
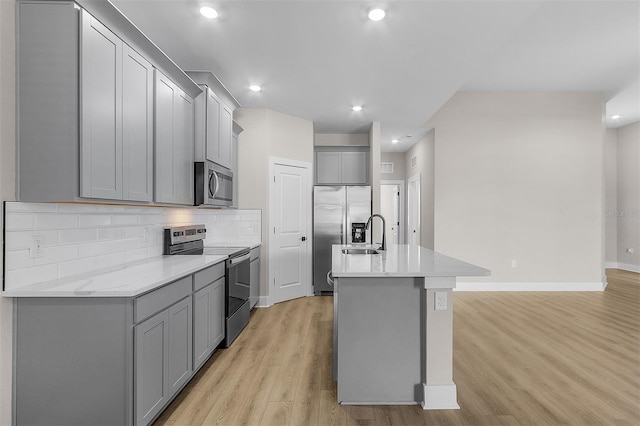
x=237 y=280
x=188 y=240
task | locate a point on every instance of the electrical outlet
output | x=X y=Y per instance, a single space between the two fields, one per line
x=630 y=250
x=514 y=263
x=440 y=301
x=147 y=235
x=37 y=247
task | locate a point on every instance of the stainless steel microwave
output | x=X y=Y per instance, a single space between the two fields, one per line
x=213 y=185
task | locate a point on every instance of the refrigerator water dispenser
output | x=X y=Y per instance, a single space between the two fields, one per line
x=358 y=233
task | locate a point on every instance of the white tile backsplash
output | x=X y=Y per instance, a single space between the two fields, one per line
x=80 y=238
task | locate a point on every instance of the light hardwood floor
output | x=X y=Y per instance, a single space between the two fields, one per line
x=519 y=358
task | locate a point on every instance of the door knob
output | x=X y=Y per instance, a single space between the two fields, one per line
x=304 y=238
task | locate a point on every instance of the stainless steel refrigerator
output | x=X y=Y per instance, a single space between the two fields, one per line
x=339 y=216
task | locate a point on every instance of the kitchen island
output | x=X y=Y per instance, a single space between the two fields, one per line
x=393 y=325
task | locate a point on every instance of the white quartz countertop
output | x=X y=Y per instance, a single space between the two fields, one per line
x=128 y=280
x=402 y=260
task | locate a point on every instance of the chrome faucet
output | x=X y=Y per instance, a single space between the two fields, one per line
x=384 y=227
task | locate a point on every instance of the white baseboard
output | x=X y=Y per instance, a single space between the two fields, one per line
x=263 y=302
x=623 y=266
x=530 y=286
x=440 y=397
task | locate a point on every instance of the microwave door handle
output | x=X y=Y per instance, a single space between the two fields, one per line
x=215 y=175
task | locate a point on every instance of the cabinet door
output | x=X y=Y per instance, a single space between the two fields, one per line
x=165 y=92
x=183 y=145
x=226 y=126
x=151 y=366
x=354 y=168
x=254 y=286
x=101 y=105
x=174 y=143
x=179 y=348
x=213 y=127
x=234 y=168
x=216 y=332
x=202 y=309
x=137 y=126
x=328 y=167
x=208 y=317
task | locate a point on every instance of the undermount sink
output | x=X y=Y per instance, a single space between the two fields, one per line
x=360 y=251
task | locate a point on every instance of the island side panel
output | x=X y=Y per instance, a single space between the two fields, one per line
x=440 y=391
x=380 y=350
x=73 y=361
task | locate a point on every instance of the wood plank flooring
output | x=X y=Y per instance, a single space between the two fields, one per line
x=519 y=359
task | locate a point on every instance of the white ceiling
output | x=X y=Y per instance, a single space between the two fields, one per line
x=317 y=58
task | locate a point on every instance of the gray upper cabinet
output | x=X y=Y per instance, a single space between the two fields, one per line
x=328 y=166
x=174 y=142
x=211 y=132
x=116 y=140
x=85 y=106
x=334 y=167
x=137 y=127
x=214 y=120
x=101 y=103
x=224 y=148
x=354 y=168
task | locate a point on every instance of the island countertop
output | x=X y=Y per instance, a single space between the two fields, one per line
x=128 y=280
x=401 y=260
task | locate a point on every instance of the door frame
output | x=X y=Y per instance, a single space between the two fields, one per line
x=273 y=161
x=414 y=178
x=403 y=218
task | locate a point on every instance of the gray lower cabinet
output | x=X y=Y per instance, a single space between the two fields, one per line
x=113 y=361
x=208 y=321
x=163 y=362
x=254 y=277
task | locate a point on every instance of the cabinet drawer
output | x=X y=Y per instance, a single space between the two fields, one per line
x=208 y=275
x=153 y=302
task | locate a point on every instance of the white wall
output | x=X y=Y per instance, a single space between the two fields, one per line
x=424 y=150
x=611 y=197
x=520 y=176
x=268 y=134
x=341 y=139
x=7 y=185
x=399 y=169
x=374 y=176
x=628 y=196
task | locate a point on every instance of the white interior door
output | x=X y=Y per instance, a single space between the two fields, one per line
x=413 y=219
x=289 y=219
x=392 y=208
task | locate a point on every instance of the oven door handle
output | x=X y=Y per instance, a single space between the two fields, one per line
x=236 y=260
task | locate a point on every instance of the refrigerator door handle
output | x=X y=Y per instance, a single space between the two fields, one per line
x=330 y=278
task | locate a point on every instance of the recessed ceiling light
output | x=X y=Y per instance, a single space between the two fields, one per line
x=616 y=116
x=255 y=88
x=208 y=12
x=356 y=108
x=394 y=141
x=376 y=14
